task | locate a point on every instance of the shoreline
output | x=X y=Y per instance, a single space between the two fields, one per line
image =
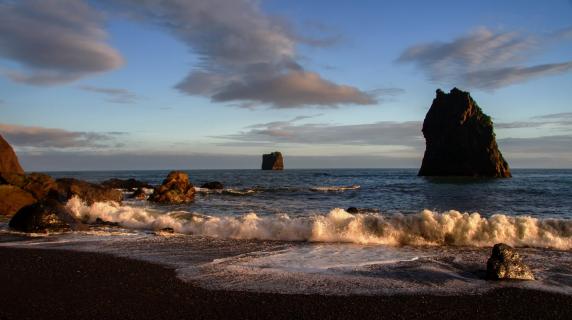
x=56 y=284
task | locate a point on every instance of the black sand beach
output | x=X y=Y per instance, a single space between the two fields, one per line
x=52 y=284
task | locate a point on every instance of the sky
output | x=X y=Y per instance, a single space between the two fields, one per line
x=213 y=84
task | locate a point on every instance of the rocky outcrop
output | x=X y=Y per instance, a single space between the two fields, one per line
x=505 y=263
x=176 y=188
x=13 y=198
x=460 y=140
x=8 y=160
x=126 y=184
x=139 y=194
x=43 y=216
x=272 y=161
x=66 y=188
x=213 y=185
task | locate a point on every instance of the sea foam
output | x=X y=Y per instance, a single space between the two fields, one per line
x=424 y=228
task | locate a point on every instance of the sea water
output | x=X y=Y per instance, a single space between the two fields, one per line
x=290 y=231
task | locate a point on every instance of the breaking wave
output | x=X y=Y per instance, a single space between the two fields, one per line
x=423 y=228
x=335 y=188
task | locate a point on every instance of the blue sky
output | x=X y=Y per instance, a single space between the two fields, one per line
x=125 y=84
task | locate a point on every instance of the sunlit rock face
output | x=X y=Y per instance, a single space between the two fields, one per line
x=505 y=263
x=272 y=161
x=460 y=139
x=176 y=188
x=8 y=160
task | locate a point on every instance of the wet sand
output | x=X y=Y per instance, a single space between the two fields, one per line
x=54 y=284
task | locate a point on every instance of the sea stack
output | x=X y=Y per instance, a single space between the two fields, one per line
x=8 y=160
x=460 y=139
x=272 y=161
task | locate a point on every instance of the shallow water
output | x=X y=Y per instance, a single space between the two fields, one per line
x=288 y=232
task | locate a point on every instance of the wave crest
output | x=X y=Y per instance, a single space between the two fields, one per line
x=424 y=228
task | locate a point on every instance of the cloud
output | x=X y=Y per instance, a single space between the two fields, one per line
x=484 y=59
x=114 y=95
x=245 y=55
x=559 y=121
x=384 y=133
x=37 y=138
x=54 y=41
x=544 y=146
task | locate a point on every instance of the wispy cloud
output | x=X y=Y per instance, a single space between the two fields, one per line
x=557 y=121
x=384 y=133
x=38 y=138
x=485 y=59
x=114 y=95
x=54 y=41
x=247 y=57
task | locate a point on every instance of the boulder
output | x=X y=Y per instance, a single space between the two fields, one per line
x=460 y=140
x=139 y=194
x=13 y=198
x=127 y=184
x=176 y=188
x=213 y=185
x=8 y=160
x=38 y=184
x=352 y=210
x=43 y=216
x=505 y=263
x=272 y=161
x=66 y=188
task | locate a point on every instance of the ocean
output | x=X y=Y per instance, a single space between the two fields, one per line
x=290 y=231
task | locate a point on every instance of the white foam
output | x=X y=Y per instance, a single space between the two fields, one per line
x=335 y=188
x=424 y=228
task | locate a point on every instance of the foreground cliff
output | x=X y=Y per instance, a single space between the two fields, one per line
x=460 y=140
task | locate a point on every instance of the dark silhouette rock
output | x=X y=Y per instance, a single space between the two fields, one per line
x=101 y=222
x=176 y=188
x=213 y=185
x=272 y=161
x=352 y=210
x=127 y=184
x=460 y=140
x=46 y=215
x=8 y=160
x=13 y=198
x=505 y=263
x=66 y=188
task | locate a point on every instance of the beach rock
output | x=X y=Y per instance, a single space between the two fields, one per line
x=101 y=222
x=8 y=159
x=272 y=161
x=213 y=185
x=127 y=184
x=352 y=210
x=505 y=263
x=46 y=215
x=38 y=184
x=460 y=140
x=176 y=188
x=66 y=188
x=139 y=194
x=13 y=198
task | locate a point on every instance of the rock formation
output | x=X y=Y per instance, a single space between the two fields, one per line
x=272 y=161
x=128 y=184
x=8 y=160
x=66 y=188
x=45 y=215
x=505 y=263
x=460 y=140
x=176 y=188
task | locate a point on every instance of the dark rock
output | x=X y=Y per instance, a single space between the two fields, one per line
x=139 y=194
x=66 y=188
x=213 y=185
x=101 y=222
x=127 y=184
x=8 y=159
x=46 y=215
x=176 y=188
x=505 y=263
x=13 y=198
x=168 y=230
x=460 y=140
x=352 y=210
x=272 y=161
x=38 y=184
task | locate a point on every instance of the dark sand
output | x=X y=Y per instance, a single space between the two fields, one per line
x=50 y=284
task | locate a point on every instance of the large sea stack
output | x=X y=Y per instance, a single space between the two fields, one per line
x=272 y=161
x=460 y=140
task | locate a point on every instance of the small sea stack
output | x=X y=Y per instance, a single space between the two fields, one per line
x=460 y=139
x=272 y=161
